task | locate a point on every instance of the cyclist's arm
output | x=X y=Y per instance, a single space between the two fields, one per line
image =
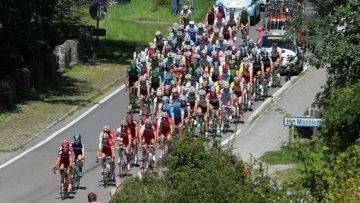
x=57 y=162
x=83 y=151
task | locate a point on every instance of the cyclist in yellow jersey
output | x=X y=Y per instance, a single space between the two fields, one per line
x=237 y=88
x=245 y=71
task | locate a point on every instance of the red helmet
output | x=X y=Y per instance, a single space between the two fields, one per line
x=129 y=117
x=65 y=144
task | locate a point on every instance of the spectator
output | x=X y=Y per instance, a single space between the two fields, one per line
x=115 y=189
x=92 y=197
x=174 y=6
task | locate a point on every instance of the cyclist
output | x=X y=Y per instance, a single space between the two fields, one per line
x=192 y=31
x=226 y=98
x=258 y=70
x=191 y=97
x=79 y=151
x=159 y=41
x=187 y=109
x=177 y=115
x=237 y=88
x=246 y=71
x=132 y=76
x=268 y=66
x=107 y=147
x=143 y=90
x=155 y=81
x=124 y=141
x=64 y=161
x=210 y=19
x=165 y=126
x=275 y=53
x=185 y=15
x=232 y=23
x=134 y=127
x=202 y=106
x=244 y=20
x=148 y=135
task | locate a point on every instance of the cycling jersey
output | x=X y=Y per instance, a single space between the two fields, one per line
x=244 y=18
x=133 y=73
x=65 y=157
x=237 y=89
x=266 y=62
x=257 y=66
x=124 y=133
x=77 y=148
x=176 y=114
x=132 y=127
x=155 y=82
x=165 y=125
x=225 y=97
x=148 y=135
x=211 y=18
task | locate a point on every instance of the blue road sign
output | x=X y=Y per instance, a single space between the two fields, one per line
x=302 y=121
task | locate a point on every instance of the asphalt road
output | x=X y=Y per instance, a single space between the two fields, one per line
x=30 y=179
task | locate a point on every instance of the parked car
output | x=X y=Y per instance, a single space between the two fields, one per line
x=253 y=7
x=292 y=55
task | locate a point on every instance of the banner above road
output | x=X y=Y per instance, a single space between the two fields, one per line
x=302 y=121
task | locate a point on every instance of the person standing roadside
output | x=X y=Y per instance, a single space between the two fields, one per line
x=92 y=198
x=174 y=6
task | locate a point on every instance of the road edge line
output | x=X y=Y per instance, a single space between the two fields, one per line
x=96 y=105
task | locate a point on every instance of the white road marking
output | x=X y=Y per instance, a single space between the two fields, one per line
x=224 y=142
x=63 y=128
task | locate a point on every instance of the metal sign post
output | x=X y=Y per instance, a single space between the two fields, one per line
x=97 y=12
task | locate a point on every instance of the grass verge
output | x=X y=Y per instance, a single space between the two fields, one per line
x=53 y=102
x=286 y=155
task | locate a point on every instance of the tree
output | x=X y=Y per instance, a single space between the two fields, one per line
x=194 y=172
x=30 y=28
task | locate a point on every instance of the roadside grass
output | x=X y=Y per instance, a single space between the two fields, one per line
x=289 y=177
x=286 y=155
x=56 y=100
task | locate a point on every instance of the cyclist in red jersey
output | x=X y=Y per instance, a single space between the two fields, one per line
x=124 y=140
x=134 y=127
x=106 y=146
x=65 y=160
x=165 y=129
x=148 y=135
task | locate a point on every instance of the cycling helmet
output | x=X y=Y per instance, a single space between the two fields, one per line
x=244 y=8
x=221 y=37
x=187 y=53
x=106 y=128
x=166 y=107
x=188 y=76
x=143 y=78
x=164 y=114
x=170 y=54
x=226 y=86
x=167 y=87
x=178 y=57
x=173 y=82
x=160 y=93
x=176 y=104
x=191 y=22
x=165 y=99
x=174 y=90
x=258 y=57
x=129 y=117
x=199 y=71
x=221 y=82
x=182 y=98
x=185 y=7
x=65 y=144
x=77 y=137
x=213 y=88
x=202 y=92
x=142 y=59
x=123 y=123
x=157 y=33
x=206 y=76
x=237 y=79
x=153 y=46
x=191 y=89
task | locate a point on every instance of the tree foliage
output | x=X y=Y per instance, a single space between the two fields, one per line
x=30 y=28
x=332 y=35
x=341 y=127
x=197 y=173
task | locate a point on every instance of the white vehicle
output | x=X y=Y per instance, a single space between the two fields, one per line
x=292 y=56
